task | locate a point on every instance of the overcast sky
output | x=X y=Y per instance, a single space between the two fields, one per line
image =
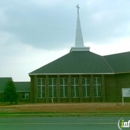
x=36 y=32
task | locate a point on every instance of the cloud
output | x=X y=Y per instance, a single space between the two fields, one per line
x=35 y=32
x=19 y=59
x=51 y=25
x=113 y=47
x=46 y=3
x=3 y=18
x=38 y=27
x=106 y=20
x=23 y=59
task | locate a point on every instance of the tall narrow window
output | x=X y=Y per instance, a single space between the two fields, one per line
x=97 y=86
x=52 y=87
x=63 y=87
x=25 y=95
x=86 y=86
x=75 y=87
x=41 y=87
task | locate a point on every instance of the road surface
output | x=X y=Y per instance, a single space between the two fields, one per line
x=60 y=123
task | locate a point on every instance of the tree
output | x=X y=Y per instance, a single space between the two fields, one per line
x=10 y=94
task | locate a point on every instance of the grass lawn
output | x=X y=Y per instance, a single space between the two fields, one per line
x=65 y=109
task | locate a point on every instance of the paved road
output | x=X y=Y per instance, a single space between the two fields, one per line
x=60 y=123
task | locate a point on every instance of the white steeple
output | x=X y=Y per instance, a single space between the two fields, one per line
x=79 y=44
x=79 y=37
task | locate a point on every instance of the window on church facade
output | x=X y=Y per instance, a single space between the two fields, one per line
x=86 y=86
x=97 y=86
x=25 y=95
x=52 y=87
x=41 y=87
x=63 y=87
x=75 y=87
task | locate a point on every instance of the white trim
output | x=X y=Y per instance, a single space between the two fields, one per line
x=96 y=85
x=79 y=49
x=75 y=88
x=86 y=88
x=68 y=73
x=64 y=86
x=41 y=85
x=52 y=88
x=75 y=95
x=86 y=85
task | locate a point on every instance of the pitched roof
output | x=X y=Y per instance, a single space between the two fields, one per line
x=22 y=86
x=3 y=82
x=120 y=62
x=76 y=62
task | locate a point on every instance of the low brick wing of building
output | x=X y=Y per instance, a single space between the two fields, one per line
x=22 y=88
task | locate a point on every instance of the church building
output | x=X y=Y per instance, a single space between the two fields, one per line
x=81 y=76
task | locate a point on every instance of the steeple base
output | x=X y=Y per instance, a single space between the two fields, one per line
x=79 y=49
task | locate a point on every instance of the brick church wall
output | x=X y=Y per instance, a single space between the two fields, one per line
x=110 y=88
x=122 y=81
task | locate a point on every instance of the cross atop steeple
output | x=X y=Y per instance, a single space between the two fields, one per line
x=79 y=44
x=77 y=9
x=79 y=37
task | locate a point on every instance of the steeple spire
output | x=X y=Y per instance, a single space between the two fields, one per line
x=77 y=9
x=79 y=37
x=79 y=44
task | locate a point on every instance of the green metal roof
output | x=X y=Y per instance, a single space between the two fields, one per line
x=3 y=82
x=120 y=62
x=22 y=86
x=76 y=62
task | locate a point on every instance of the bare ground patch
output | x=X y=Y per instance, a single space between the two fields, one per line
x=67 y=107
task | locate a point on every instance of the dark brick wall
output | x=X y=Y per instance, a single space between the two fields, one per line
x=75 y=99
x=20 y=99
x=98 y=99
x=122 y=81
x=110 y=88
x=64 y=100
x=32 y=89
x=1 y=98
x=86 y=99
x=69 y=99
